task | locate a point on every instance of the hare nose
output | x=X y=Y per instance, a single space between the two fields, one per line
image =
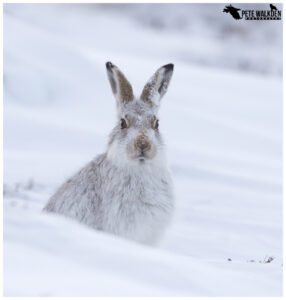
x=142 y=144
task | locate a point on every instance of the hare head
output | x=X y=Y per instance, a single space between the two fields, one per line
x=136 y=137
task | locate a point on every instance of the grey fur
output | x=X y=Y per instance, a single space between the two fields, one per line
x=128 y=190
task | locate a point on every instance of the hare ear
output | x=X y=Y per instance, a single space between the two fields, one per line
x=157 y=85
x=120 y=86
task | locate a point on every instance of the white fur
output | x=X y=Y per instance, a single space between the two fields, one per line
x=118 y=193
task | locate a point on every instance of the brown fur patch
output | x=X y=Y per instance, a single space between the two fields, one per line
x=148 y=90
x=142 y=143
x=125 y=88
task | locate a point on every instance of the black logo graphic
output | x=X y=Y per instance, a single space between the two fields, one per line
x=233 y=11
x=273 y=7
x=271 y=14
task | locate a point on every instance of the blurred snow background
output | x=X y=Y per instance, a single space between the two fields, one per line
x=222 y=123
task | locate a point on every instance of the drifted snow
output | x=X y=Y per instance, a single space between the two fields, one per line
x=223 y=130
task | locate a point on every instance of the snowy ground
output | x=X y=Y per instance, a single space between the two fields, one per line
x=223 y=129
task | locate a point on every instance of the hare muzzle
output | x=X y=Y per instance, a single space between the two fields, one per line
x=142 y=146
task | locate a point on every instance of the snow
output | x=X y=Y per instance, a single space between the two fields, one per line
x=223 y=130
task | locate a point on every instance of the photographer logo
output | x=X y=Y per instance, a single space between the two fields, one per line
x=271 y=14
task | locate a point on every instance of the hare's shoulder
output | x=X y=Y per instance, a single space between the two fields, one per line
x=84 y=183
x=88 y=176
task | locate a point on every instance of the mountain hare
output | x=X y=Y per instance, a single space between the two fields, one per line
x=126 y=191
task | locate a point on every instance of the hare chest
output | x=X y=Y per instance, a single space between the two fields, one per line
x=137 y=206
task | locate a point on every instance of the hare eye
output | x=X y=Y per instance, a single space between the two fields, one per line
x=123 y=124
x=156 y=124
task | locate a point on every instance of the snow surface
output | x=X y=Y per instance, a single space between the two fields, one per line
x=223 y=130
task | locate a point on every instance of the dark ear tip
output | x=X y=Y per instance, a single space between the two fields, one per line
x=109 y=65
x=169 y=67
